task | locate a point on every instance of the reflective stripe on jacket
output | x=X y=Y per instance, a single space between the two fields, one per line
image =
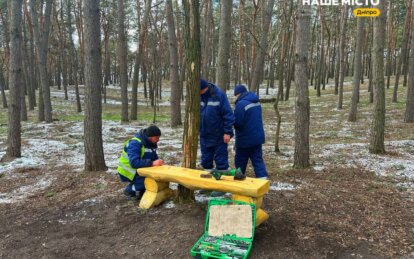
x=249 y=122
x=124 y=167
x=216 y=117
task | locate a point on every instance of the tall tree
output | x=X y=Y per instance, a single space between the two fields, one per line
x=409 y=108
x=404 y=49
x=41 y=38
x=94 y=155
x=258 y=69
x=73 y=57
x=206 y=38
x=342 y=55
x=390 y=29
x=357 y=70
x=122 y=59
x=15 y=74
x=302 y=103
x=223 y=66
x=31 y=59
x=192 y=110
x=174 y=76
x=376 y=144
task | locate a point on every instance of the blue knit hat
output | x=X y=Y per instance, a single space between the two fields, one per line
x=203 y=84
x=239 y=89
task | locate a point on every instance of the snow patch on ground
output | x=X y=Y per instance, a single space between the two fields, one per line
x=169 y=205
x=24 y=191
x=279 y=186
x=398 y=162
x=21 y=162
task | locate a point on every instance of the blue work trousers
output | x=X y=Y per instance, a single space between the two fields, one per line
x=218 y=154
x=136 y=185
x=255 y=154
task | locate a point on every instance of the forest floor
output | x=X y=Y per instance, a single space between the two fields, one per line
x=350 y=204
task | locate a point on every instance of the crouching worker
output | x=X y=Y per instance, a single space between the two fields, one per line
x=140 y=151
x=249 y=132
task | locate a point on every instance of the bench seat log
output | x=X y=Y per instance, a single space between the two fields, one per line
x=157 y=180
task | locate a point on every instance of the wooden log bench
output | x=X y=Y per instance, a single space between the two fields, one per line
x=157 y=181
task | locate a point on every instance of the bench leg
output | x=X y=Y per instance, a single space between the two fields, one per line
x=155 y=193
x=261 y=215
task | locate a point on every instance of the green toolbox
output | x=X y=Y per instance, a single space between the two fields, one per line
x=229 y=230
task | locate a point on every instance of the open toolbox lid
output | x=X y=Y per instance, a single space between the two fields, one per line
x=229 y=218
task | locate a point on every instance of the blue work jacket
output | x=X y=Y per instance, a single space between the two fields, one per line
x=216 y=117
x=249 y=122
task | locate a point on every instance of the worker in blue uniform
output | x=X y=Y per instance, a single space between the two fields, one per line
x=216 y=126
x=249 y=130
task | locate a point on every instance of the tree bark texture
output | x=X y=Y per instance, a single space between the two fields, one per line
x=41 y=37
x=409 y=108
x=74 y=59
x=122 y=59
x=404 y=49
x=357 y=70
x=15 y=73
x=376 y=144
x=223 y=64
x=94 y=155
x=342 y=56
x=192 y=110
x=174 y=76
x=389 y=45
x=302 y=103
x=258 y=69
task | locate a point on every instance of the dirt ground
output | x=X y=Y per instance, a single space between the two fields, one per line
x=340 y=213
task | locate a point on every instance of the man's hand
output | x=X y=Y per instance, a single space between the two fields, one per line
x=226 y=138
x=158 y=162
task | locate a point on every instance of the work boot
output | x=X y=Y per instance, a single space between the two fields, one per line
x=139 y=195
x=130 y=195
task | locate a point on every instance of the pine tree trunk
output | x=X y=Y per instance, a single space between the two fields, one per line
x=74 y=59
x=41 y=37
x=357 y=69
x=122 y=60
x=223 y=66
x=135 y=79
x=6 y=57
x=282 y=53
x=180 y=49
x=27 y=62
x=192 y=111
x=389 y=34
x=337 y=58
x=206 y=47
x=258 y=68
x=23 y=83
x=94 y=155
x=3 y=94
x=174 y=76
x=291 y=67
x=409 y=108
x=404 y=49
x=31 y=61
x=15 y=73
x=302 y=103
x=342 y=56
x=376 y=145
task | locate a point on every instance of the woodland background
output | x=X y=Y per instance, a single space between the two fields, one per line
x=80 y=77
